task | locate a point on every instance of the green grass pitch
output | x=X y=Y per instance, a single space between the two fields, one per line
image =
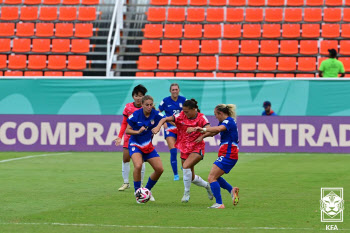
x=77 y=192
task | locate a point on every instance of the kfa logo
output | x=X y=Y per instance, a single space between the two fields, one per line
x=332 y=204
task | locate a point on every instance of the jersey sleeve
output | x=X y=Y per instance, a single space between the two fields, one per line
x=132 y=121
x=158 y=117
x=227 y=124
x=123 y=127
x=125 y=112
x=161 y=106
x=322 y=66
x=342 y=70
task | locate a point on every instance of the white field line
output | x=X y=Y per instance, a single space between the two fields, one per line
x=31 y=156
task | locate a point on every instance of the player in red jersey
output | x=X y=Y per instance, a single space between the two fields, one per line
x=137 y=94
x=191 y=145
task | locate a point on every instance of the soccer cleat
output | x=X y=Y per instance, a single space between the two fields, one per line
x=186 y=197
x=234 y=195
x=176 y=177
x=217 y=206
x=210 y=194
x=124 y=186
x=152 y=198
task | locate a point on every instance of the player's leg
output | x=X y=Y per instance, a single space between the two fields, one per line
x=214 y=175
x=173 y=154
x=188 y=162
x=125 y=169
x=154 y=160
x=137 y=161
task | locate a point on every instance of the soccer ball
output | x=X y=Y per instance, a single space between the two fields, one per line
x=142 y=195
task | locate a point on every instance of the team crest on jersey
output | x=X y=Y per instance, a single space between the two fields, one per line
x=133 y=149
x=152 y=122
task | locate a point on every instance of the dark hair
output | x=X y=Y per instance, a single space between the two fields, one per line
x=139 y=88
x=191 y=104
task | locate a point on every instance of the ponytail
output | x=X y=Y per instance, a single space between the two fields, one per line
x=229 y=109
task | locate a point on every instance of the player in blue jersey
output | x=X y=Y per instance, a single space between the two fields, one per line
x=172 y=105
x=141 y=149
x=228 y=152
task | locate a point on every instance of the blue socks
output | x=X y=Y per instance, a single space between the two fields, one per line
x=223 y=184
x=150 y=183
x=215 y=188
x=137 y=185
x=173 y=160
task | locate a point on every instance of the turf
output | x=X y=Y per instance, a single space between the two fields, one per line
x=77 y=192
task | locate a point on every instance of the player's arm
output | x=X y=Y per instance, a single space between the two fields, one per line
x=156 y=129
x=118 y=140
x=130 y=131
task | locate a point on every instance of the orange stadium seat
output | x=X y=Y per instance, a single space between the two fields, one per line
x=269 y=47
x=29 y=13
x=193 y=30
x=293 y=15
x=73 y=73
x=178 y=2
x=313 y=14
x=159 y=2
x=229 y=46
x=314 y=2
x=147 y=63
x=328 y=44
x=167 y=63
x=57 y=62
x=344 y=47
x=247 y=63
x=198 y=2
x=44 y=29
x=289 y=47
x=172 y=30
x=234 y=15
x=251 y=30
x=190 y=46
x=153 y=30
x=309 y=47
x=90 y=2
x=184 y=74
x=334 y=2
x=275 y=2
x=70 y=2
x=232 y=30
x=144 y=74
x=204 y=75
x=215 y=14
x=195 y=14
x=291 y=30
x=24 y=29
x=156 y=14
x=212 y=30
x=345 y=30
x=254 y=15
x=287 y=63
x=164 y=74
x=60 y=45
x=346 y=62
x=36 y=62
x=330 y=30
x=264 y=75
x=170 y=46
x=310 y=30
x=306 y=63
x=13 y=2
x=245 y=75
x=87 y=13
x=3 y=61
x=273 y=14
x=271 y=30
x=187 y=62
x=305 y=76
x=17 y=61
x=5 y=45
x=210 y=46
x=80 y=46
x=236 y=2
x=33 y=73
x=207 y=62
x=21 y=45
x=41 y=45
x=256 y=2
x=176 y=14
x=53 y=73
x=52 y=2
x=346 y=15
x=13 y=73
x=285 y=75
x=267 y=63
x=217 y=2
x=67 y=13
x=225 y=75
x=64 y=30
x=9 y=13
x=7 y=29
x=48 y=13
x=249 y=46
x=76 y=62
x=332 y=15
x=295 y=2
x=227 y=63
x=150 y=46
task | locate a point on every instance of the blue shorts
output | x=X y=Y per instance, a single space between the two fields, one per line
x=225 y=164
x=145 y=157
x=169 y=134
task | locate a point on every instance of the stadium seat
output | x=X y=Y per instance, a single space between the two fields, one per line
x=184 y=74
x=234 y=15
x=170 y=46
x=295 y=2
x=12 y=2
x=210 y=46
x=195 y=14
x=159 y=2
x=346 y=62
x=344 y=47
x=265 y=75
x=176 y=14
x=87 y=14
x=273 y=15
x=334 y=2
x=36 y=62
x=70 y=2
x=251 y=30
x=147 y=63
x=44 y=29
x=150 y=46
x=267 y=63
x=83 y=30
x=229 y=46
x=305 y=76
x=332 y=15
x=3 y=61
x=21 y=45
x=153 y=30
x=256 y=2
x=232 y=30
x=306 y=63
x=204 y=75
x=33 y=73
x=80 y=46
x=287 y=63
x=314 y=2
x=309 y=47
x=293 y=15
x=330 y=30
x=207 y=62
x=187 y=62
x=215 y=15
x=24 y=29
x=245 y=75
x=310 y=30
x=217 y=2
x=9 y=13
x=170 y=31
x=247 y=63
x=53 y=73
x=41 y=45
x=198 y=2
x=291 y=30
x=7 y=29
x=249 y=46
x=67 y=13
x=76 y=62
x=313 y=14
x=193 y=31
x=289 y=47
x=156 y=14
x=73 y=73
x=285 y=75
x=225 y=75
x=345 y=30
x=275 y=2
x=254 y=15
x=13 y=73
x=227 y=63
x=29 y=13
x=236 y=2
x=178 y=2
x=167 y=63
x=271 y=30
x=328 y=44
x=5 y=45
x=64 y=30
x=60 y=45
x=212 y=31
x=164 y=74
x=269 y=46
x=190 y=46
x=57 y=62
x=346 y=15
x=52 y=2
x=17 y=61
x=48 y=13
x=90 y=2
x=144 y=74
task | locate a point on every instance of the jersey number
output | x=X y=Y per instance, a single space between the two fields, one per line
x=220 y=159
x=176 y=112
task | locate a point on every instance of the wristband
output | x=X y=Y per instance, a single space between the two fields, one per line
x=204 y=129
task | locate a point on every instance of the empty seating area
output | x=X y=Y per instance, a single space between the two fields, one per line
x=242 y=38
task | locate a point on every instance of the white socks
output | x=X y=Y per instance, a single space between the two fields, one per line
x=199 y=181
x=125 y=171
x=187 y=177
x=143 y=170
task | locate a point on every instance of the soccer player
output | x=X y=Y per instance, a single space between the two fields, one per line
x=172 y=105
x=141 y=149
x=137 y=94
x=228 y=152
x=191 y=145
